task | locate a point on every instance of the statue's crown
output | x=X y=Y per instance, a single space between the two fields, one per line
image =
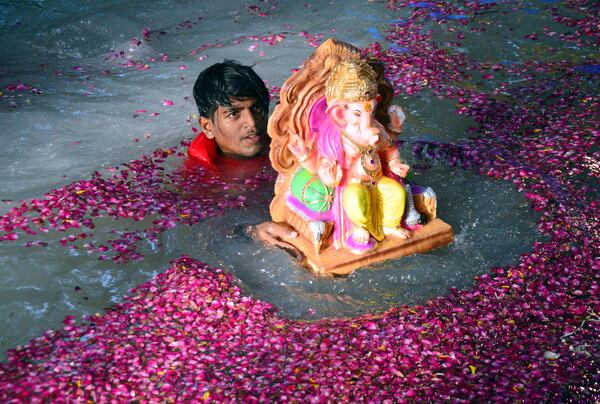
x=351 y=81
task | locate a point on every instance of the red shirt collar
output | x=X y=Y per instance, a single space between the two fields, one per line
x=204 y=151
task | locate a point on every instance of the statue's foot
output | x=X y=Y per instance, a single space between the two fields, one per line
x=397 y=232
x=360 y=241
x=360 y=235
x=412 y=228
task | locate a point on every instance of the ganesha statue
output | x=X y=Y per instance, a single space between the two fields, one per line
x=342 y=183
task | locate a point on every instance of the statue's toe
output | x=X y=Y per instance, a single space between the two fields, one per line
x=398 y=232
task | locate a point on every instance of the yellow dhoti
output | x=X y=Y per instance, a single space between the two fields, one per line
x=376 y=206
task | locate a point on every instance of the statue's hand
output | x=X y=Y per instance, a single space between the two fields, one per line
x=330 y=173
x=276 y=234
x=398 y=168
x=297 y=146
x=397 y=118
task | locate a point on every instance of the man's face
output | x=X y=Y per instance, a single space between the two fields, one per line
x=239 y=130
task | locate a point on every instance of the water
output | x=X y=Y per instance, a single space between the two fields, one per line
x=79 y=109
x=492 y=226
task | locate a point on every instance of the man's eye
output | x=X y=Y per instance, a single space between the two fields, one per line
x=233 y=114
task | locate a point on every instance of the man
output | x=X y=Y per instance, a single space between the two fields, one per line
x=233 y=104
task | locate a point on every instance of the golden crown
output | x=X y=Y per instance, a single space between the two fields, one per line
x=351 y=81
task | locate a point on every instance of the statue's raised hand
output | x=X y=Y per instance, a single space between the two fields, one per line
x=397 y=118
x=298 y=147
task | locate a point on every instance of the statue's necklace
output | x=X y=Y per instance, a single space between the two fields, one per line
x=369 y=159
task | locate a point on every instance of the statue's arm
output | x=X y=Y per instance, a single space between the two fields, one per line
x=388 y=149
x=391 y=156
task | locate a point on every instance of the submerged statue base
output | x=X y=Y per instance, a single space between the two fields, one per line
x=342 y=183
x=332 y=262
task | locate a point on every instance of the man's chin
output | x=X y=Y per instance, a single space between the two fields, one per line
x=251 y=153
x=255 y=154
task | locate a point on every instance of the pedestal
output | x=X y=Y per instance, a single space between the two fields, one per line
x=332 y=262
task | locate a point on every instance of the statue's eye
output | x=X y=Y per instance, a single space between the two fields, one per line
x=357 y=113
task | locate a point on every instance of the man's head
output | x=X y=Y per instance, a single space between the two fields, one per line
x=233 y=103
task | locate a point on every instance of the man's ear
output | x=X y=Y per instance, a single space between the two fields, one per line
x=337 y=113
x=207 y=127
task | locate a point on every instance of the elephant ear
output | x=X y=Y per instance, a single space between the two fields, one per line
x=385 y=90
x=337 y=114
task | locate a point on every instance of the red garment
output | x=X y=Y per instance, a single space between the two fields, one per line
x=204 y=150
x=204 y=153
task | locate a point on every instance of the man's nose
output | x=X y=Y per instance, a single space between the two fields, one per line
x=249 y=118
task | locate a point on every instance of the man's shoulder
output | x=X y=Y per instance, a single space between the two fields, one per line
x=203 y=149
x=204 y=152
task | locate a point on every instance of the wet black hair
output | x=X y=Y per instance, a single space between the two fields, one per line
x=220 y=83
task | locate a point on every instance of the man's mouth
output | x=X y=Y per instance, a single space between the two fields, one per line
x=254 y=138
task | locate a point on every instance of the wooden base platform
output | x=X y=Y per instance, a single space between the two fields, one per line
x=332 y=262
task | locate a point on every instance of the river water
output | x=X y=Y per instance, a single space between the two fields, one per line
x=92 y=84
